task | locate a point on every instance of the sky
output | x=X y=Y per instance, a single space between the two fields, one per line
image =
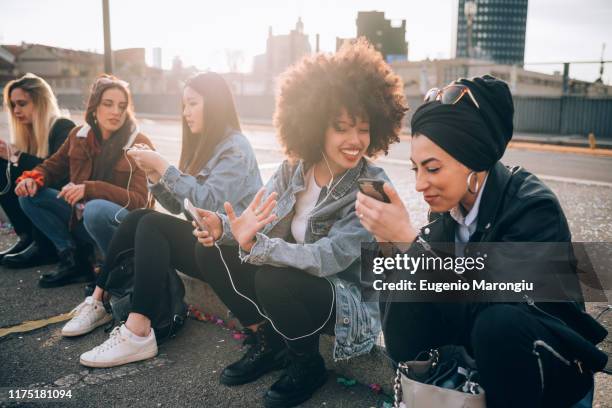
x=203 y=32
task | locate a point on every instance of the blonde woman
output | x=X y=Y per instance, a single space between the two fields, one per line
x=36 y=132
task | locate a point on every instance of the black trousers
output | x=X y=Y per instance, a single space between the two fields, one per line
x=10 y=205
x=501 y=338
x=160 y=242
x=297 y=303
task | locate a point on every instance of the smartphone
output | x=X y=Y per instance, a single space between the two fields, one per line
x=193 y=214
x=373 y=188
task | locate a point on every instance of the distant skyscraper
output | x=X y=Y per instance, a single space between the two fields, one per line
x=498 y=31
x=157 y=57
x=387 y=38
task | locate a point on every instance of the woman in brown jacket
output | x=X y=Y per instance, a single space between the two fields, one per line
x=104 y=183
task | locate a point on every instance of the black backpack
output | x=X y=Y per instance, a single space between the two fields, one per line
x=171 y=311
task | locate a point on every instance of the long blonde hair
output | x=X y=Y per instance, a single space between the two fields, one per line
x=45 y=114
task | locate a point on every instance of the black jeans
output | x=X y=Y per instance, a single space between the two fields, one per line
x=501 y=338
x=160 y=242
x=297 y=303
x=10 y=204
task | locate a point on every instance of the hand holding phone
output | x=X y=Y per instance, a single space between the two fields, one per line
x=193 y=213
x=373 y=188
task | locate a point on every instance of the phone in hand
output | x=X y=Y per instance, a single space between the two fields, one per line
x=373 y=188
x=193 y=214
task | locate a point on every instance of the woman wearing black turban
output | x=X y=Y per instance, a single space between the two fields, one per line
x=527 y=354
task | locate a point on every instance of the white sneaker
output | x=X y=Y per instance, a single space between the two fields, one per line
x=122 y=347
x=88 y=315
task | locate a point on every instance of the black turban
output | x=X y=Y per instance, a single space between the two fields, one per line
x=475 y=137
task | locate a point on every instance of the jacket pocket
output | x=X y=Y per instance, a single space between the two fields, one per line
x=320 y=228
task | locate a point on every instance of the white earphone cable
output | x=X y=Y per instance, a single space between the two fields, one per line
x=127 y=188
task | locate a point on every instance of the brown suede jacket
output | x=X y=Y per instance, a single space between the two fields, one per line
x=75 y=159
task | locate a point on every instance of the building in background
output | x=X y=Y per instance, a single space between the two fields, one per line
x=7 y=65
x=281 y=51
x=386 y=37
x=420 y=76
x=157 y=57
x=492 y=30
x=130 y=61
x=71 y=72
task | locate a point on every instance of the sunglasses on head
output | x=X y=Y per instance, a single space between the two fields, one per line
x=450 y=95
x=108 y=81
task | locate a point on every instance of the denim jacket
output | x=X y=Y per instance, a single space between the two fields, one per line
x=331 y=249
x=231 y=175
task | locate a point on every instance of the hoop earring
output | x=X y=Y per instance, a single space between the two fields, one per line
x=469 y=181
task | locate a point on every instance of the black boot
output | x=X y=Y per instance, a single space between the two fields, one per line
x=71 y=269
x=266 y=352
x=24 y=241
x=306 y=374
x=30 y=257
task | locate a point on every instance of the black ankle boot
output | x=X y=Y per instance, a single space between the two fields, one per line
x=25 y=240
x=71 y=269
x=306 y=374
x=30 y=257
x=266 y=352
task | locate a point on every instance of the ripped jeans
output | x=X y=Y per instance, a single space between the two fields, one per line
x=521 y=363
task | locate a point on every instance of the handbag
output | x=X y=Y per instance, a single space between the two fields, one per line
x=439 y=378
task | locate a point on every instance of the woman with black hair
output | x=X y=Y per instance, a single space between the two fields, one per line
x=528 y=354
x=217 y=163
x=104 y=184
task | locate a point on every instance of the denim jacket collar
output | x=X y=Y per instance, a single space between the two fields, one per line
x=340 y=189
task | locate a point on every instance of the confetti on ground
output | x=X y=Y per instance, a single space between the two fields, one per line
x=206 y=317
x=239 y=335
x=376 y=388
x=346 y=382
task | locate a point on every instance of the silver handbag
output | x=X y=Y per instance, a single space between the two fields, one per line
x=436 y=382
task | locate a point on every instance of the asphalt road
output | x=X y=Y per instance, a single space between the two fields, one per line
x=583 y=167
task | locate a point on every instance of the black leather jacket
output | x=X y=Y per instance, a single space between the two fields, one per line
x=518 y=207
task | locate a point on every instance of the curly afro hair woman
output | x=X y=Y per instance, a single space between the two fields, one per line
x=314 y=92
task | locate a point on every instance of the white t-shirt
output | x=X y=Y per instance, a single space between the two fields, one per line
x=305 y=202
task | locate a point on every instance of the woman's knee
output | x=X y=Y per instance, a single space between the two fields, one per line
x=147 y=224
x=99 y=214
x=28 y=203
x=132 y=219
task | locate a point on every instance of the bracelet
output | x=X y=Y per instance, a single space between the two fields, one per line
x=35 y=175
